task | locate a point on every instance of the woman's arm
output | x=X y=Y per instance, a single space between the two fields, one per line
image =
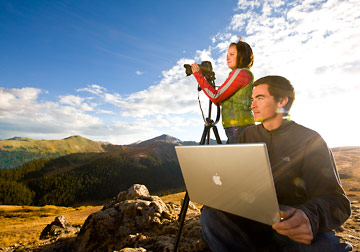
x=237 y=79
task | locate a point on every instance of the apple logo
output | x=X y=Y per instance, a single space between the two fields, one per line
x=216 y=179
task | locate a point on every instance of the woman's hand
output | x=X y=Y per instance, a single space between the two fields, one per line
x=195 y=68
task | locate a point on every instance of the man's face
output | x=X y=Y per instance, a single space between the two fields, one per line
x=263 y=104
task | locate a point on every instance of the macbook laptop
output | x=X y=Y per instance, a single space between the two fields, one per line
x=235 y=178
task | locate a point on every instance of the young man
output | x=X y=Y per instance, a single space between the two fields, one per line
x=307 y=184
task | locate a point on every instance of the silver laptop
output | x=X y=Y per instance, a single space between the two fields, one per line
x=235 y=178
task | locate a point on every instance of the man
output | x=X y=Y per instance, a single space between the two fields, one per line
x=307 y=184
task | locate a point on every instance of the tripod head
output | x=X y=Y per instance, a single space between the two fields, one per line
x=206 y=70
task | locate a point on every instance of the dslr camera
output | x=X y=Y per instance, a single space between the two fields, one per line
x=205 y=68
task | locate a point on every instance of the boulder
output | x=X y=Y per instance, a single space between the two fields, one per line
x=136 y=221
x=59 y=227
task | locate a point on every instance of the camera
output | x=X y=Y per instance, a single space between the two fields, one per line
x=205 y=68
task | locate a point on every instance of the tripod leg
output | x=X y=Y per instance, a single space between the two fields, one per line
x=182 y=216
x=185 y=204
x=205 y=134
x=216 y=133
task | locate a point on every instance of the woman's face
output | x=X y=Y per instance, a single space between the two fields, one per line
x=231 y=57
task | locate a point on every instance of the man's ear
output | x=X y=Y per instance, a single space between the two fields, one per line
x=283 y=101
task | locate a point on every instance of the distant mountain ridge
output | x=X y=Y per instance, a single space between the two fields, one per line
x=17 y=151
x=78 y=177
x=95 y=175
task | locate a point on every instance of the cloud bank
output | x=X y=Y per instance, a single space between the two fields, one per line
x=315 y=44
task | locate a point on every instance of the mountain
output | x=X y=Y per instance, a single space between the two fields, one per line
x=17 y=151
x=96 y=176
x=162 y=138
x=167 y=139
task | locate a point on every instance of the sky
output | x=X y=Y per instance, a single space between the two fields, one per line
x=113 y=70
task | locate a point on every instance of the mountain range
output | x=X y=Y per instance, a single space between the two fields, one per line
x=18 y=151
x=75 y=169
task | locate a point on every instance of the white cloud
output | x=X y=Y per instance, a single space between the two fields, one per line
x=139 y=73
x=77 y=101
x=316 y=46
x=313 y=44
x=94 y=89
x=175 y=94
x=22 y=113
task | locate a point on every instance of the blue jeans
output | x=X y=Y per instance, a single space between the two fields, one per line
x=227 y=232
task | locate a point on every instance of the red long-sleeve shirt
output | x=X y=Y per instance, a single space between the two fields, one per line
x=237 y=79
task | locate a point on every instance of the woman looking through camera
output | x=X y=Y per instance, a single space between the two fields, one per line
x=234 y=95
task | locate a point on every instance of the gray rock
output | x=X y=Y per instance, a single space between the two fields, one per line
x=136 y=221
x=58 y=227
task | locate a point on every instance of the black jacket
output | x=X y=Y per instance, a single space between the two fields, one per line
x=304 y=173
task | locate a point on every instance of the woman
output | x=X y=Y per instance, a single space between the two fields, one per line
x=234 y=95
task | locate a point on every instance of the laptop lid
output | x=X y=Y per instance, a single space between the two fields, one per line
x=235 y=178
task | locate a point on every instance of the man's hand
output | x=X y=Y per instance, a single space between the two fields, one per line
x=195 y=68
x=296 y=226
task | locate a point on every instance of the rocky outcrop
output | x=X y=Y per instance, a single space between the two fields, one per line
x=59 y=227
x=136 y=221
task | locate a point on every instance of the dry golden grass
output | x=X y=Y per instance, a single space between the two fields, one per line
x=23 y=224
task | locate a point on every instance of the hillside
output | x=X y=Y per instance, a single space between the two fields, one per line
x=17 y=151
x=97 y=170
x=23 y=225
x=348 y=162
x=93 y=177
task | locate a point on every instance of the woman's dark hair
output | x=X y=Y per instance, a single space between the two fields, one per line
x=245 y=57
x=279 y=87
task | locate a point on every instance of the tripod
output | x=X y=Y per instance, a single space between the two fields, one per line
x=209 y=123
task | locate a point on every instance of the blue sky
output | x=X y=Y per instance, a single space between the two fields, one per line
x=113 y=70
x=124 y=45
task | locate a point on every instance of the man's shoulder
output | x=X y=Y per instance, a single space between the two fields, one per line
x=304 y=136
x=298 y=128
x=289 y=128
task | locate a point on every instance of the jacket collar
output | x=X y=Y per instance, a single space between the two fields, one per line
x=285 y=123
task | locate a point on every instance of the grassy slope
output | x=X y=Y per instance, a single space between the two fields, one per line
x=67 y=145
x=24 y=224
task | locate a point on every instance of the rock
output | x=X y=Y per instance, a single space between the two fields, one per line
x=60 y=221
x=132 y=250
x=136 y=221
x=58 y=227
x=133 y=192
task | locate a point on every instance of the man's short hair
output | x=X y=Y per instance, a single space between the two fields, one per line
x=279 y=87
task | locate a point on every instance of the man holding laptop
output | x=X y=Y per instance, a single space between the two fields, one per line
x=308 y=188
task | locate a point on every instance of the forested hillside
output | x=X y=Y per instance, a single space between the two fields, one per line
x=94 y=173
x=86 y=177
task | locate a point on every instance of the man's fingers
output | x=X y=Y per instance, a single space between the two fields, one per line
x=293 y=219
x=286 y=213
x=291 y=232
x=298 y=234
x=302 y=238
x=300 y=231
x=297 y=226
